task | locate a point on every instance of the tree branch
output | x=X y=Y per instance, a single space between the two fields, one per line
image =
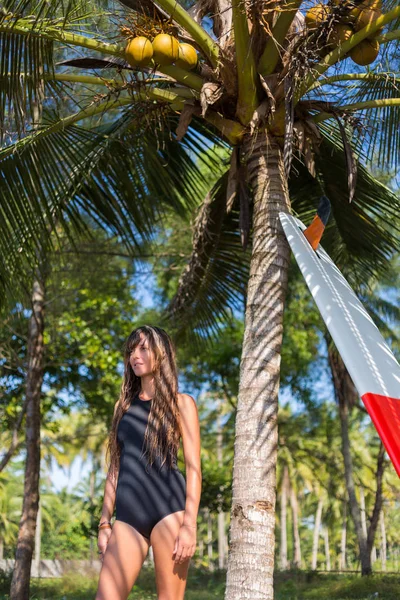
x=271 y=54
x=246 y=67
x=379 y=103
x=351 y=77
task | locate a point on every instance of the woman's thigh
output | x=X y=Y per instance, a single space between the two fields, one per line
x=124 y=556
x=170 y=576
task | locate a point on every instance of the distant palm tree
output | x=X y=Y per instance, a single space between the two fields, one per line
x=266 y=85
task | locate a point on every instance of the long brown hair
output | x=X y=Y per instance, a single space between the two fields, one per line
x=163 y=432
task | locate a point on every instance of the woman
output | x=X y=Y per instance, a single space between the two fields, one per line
x=154 y=504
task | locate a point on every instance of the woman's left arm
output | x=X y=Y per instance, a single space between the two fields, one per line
x=185 y=545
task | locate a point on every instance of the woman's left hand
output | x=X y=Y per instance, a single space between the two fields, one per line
x=185 y=544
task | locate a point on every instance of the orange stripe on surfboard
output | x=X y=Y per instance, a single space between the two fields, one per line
x=314 y=232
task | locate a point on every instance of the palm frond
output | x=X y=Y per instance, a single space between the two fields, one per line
x=378 y=129
x=380 y=134
x=121 y=174
x=361 y=237
x=147 y=7
x=27 y=59
x=214 y=281
x=46 y=9
x=96 y=62
x=22 y=68
x=382 y=311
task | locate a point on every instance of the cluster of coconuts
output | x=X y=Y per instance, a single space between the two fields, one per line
x=164 y=50
x=357 y=17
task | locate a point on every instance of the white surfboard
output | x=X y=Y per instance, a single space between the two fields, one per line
x=371 y=364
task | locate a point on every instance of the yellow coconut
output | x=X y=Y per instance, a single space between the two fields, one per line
x=316 y=16
x=340 y=34
x=187 y=58
x=165 y=49
x=139 y=51
x=371 y=4
x=365 y=52
x=366 y=17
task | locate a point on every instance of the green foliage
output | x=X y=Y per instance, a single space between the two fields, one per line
x=204 y=585
x=90 y=310
x=313 y=586
x=217 y=487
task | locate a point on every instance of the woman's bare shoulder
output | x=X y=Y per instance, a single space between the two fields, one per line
x=183 y=397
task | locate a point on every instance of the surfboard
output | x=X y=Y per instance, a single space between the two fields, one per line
x=370 y=362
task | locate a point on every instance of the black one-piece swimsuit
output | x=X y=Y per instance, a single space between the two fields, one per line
x=145 y=494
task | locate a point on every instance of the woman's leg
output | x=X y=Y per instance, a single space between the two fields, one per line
x=170 y=577
x=125 y=553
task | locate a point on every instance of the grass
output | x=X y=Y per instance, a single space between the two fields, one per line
x=321 y=586
x=205 y=585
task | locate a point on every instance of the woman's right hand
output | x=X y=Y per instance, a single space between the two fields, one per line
x=102 y=540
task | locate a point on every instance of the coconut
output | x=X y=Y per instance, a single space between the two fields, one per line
x=365 y=52
x=316 y=16
x=139 y=51
x=366 y=17
x=340 y=34
x=165 y=49
x=187 y=58
x=371 y=4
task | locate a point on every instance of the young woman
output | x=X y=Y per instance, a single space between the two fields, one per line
x=154 y=504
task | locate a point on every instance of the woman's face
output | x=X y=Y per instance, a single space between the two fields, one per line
x=141 y=358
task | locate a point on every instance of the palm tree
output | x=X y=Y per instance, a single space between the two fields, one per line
x=265 y=86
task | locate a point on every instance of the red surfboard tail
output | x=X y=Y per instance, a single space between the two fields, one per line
x=385 y=414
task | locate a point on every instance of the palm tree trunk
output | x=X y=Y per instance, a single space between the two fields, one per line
x=345 y=394
x=284 y=497
x=38 y=540
x=363 y=511
x=383 y=541
x=221 y=514
x=343 y=538
x=252 y=525
x=210 y=540
x=380 y=468
x=317 y=526
x=296 y=534
x=26 y=535
x=327 y=550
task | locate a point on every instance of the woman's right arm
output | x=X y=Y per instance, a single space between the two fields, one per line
x=110 y=489
x=109 y=497
x=106 y=514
